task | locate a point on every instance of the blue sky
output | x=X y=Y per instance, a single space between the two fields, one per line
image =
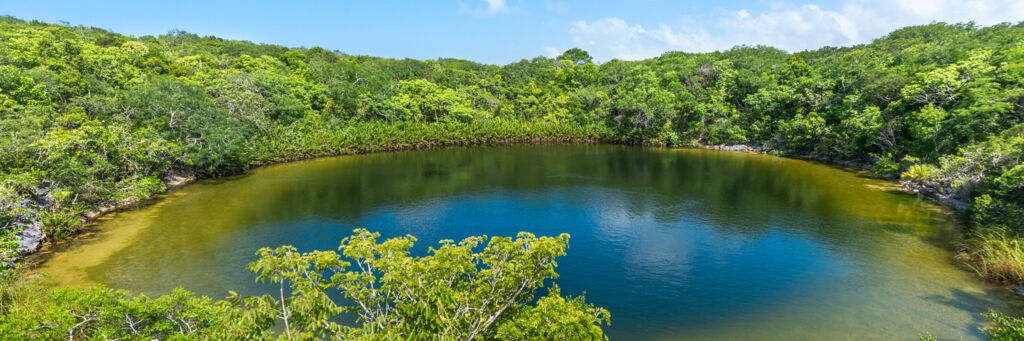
x=503 y=31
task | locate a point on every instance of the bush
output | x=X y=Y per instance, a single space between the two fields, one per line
x=919 y=172
x=37 y=312
x=59 y=223
x=91 y=160
x=966 y=171
x=1006 y=328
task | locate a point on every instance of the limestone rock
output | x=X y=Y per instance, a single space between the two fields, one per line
x=30 y=238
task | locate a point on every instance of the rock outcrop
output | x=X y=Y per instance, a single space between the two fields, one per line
x=30 y=238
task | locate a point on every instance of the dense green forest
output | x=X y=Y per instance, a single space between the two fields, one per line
x=91 y=119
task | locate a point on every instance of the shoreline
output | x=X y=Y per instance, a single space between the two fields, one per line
x=179 y=179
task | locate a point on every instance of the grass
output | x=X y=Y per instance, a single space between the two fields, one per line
x=16 y=290
x=995 y=253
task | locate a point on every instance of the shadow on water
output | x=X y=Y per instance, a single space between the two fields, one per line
x=975 y=303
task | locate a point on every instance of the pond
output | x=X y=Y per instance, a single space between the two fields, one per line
x=675 y=243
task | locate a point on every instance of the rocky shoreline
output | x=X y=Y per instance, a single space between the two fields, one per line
x=32 y=236
x=938 y=191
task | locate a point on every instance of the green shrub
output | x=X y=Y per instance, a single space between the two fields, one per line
x=919 y=172
x=993 y=210
x=885 y=166
x=1006 y=328
x=59 y=223
x=38 y=312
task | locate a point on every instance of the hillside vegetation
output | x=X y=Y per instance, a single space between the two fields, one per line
x=91 y=119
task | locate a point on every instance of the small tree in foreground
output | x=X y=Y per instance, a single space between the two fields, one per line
x=455 y=292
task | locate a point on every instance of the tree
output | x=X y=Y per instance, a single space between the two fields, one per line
x=456 y=291
x=641 y=107
x=576 y=56
x=103 y=164
x=420 y=100
x=211 y=137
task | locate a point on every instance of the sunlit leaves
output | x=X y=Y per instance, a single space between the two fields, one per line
x=456 y=291
x=420 y=100
x=103 y=164
x=99 y=312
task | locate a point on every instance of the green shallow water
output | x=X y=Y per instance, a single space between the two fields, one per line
x=677 y=244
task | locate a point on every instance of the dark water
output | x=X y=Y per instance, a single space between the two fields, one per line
x=677 y=244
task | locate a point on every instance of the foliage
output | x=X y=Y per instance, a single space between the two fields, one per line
x=1006 y=328
x=211 y=138
x=32 y=311
x=101 y=164
x=311 y=139
x=420 y=100
x=920 y=172
x=974 y=163
x=59 y=224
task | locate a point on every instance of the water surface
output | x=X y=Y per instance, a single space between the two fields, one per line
x=677 y=244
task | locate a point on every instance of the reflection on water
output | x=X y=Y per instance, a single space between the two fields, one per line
x=677 y=244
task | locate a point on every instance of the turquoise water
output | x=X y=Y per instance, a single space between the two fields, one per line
x=676 y=244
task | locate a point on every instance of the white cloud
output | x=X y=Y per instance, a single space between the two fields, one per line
x=614 y=38
x=881 y=17
x=552 y=52
x=788 y=26
x=496 y=7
